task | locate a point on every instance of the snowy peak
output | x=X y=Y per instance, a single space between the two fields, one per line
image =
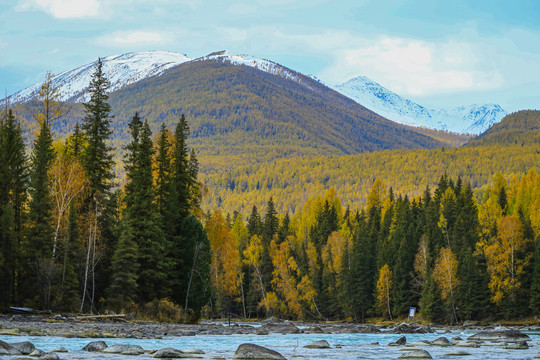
x=473 y=119
x=121 y=70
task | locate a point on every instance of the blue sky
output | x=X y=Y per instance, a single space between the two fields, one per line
x=438 y=53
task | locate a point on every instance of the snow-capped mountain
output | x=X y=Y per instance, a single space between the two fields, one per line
x=126 y=69
x=121 y=70
x=473 y=119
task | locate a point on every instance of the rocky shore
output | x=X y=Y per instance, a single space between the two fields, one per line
x=76 y=327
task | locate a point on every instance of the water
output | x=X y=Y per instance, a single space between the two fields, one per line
x=354 y=346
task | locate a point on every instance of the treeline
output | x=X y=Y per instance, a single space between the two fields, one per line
x=71 y=241
x=442 y=252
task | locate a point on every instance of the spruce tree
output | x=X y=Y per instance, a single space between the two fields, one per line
x=255 y=226
x=534 y=302
x=141 y=222
x=164 y=173
x=40 y=229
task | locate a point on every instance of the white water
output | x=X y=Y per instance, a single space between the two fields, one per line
x=354 y=346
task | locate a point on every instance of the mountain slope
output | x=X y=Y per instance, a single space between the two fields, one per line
x=464 y=119
x=121 y=70
x=521 y=127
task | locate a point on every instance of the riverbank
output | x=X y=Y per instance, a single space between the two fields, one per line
x=96 y=327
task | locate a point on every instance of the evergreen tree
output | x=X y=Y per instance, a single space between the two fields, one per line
x=534 y=302
x=141 y=220
x=164 y=172
x=255 y=226
x=97 y=163
x=40 y=229
x=13 y=186
x=124 y=268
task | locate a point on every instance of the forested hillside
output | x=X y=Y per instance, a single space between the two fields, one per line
x=519 y=128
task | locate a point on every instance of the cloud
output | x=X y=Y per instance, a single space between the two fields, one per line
x=134 y=37
x=62 y=9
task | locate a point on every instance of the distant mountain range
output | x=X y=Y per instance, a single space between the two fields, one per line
x=124 y=70
x=473 y=119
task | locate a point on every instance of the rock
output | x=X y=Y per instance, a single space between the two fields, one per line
x=261 y=331
x=7 y=349
x=24 y=347
x=500 y=336
x=401 y=341
x=169 y=353
x=193 y=351
x=124 y=349
x=465 y=343
x=95 y=346
x=282 y=328
x=61 y=349
x=256 y=352
x=37 y=352
x=442 y=341
x=315 y=330
x=416 y=354
x=520 y=345
x=458 y=353
x=321 y=344
x=405 y=328
x=471 y=323
x=49 y=356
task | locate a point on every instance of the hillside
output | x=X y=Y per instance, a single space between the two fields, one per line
x=521 y=127
x=244 y=114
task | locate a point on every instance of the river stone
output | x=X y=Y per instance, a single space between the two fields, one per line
x=465 y=343
x=169 y=353
x=416 y=354
x=320 y=344
x=24 y=347
x=458 y=353
x=401 y=341
x=520 y=345
x=261 y=331
x=49 y=356
x=193 y=351
x=442 y=341
x=95 y=346
x=124 y=349
x=37 y=352
x=256 y=352
x=7 y=349
x=61 y=349
x=500 y=336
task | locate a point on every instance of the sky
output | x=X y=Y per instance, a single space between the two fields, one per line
x=437 y=53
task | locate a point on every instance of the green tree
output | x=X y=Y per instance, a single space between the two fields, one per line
x=40 y=230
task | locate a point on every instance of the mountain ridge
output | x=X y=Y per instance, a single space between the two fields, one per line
x=463 y=119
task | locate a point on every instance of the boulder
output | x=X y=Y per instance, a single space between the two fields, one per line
x=24 y=347
x=49 y=356
x=465 y=343
x=458 y=353
x=320 y=344
x=261 y=331
x=37 y=352
x=193 y=351
x=500 y=336
x=256 y=352
x=405 y=328
x=7 y=349
x=315 y=330
x=520 y=345
x=442 y=341
x=416 y=354
x=124 y=349
x=169 y=353
x=60 y=349
x=401 y=341
x=95 y=346
x=282 y=328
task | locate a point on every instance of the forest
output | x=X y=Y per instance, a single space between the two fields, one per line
x=75 y=237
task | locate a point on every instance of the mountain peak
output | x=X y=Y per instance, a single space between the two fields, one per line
x=463 y=119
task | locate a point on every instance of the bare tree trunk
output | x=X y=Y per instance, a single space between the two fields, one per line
x=89 y=247
x=195 y=258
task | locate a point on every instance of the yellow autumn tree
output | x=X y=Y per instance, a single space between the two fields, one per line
x=225 y=268
x=445 y=276
x=384 y=288
x=506 y=259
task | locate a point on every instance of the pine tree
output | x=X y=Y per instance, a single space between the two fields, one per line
x=255 y=226
x=534 y=302
x=97 y=163
x=164 y=172
x=40 y=228
x=13 y=186
x=141 y=220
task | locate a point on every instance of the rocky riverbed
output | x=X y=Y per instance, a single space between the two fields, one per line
x=61 y=337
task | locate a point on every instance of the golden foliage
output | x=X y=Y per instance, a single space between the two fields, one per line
x=384 y=288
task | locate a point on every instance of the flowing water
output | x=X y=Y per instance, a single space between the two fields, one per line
x=351 y=346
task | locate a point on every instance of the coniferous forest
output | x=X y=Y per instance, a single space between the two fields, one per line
x=75 y=237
